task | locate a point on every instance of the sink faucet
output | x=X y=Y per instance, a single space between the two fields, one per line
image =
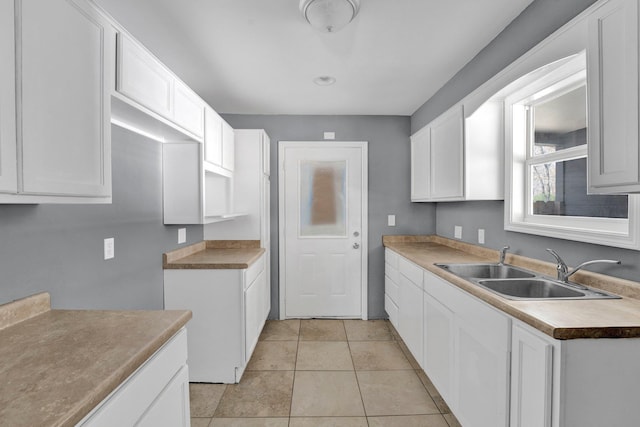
x=503 y=254
x=563 y=270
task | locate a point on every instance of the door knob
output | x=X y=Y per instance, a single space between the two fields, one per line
x=356 y=246
x=356 y=234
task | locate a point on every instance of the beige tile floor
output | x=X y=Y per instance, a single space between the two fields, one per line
x=325 y=373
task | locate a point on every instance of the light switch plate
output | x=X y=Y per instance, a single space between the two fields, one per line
x=109 y=248
x=329 y=135
x=182 y=235
x=481 y=236
x=391 y=220
x=457 y=232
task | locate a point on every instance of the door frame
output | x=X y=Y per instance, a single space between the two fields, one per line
x=363 y=146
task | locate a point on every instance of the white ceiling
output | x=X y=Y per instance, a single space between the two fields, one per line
x=260 y=56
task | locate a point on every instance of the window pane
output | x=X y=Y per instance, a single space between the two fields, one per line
x=560 y=122
x=560 y=188
x=323 y=198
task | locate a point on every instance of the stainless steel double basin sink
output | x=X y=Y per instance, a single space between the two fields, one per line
x=519 y=284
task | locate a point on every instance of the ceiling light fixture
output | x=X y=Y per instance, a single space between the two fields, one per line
x=329 y=16
x=324 y=80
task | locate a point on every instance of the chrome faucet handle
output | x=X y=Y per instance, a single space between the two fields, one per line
x=561 y=266
x=595 y=261
x=503 y=254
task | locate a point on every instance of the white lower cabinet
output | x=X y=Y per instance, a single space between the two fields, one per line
x=531 y=378
x=438 y=345
x=229 y=312
x=494 y=370
x=391 y=286
x=157 y=394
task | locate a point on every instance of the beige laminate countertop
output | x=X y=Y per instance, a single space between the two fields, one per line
x=214 y=254
x=57 y=365
x=560 y=319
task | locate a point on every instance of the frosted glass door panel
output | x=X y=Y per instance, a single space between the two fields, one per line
x=322 y=199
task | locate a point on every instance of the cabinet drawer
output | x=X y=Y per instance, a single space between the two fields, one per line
x=391 y=258
x=128 y=403
x=411 y=271
x=253 y=271
x=392 y=272
x=391 y=288
x=392 y=310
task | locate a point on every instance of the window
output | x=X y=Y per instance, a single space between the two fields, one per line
x=546 y=134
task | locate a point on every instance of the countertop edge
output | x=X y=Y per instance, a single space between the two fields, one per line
x=119 y=375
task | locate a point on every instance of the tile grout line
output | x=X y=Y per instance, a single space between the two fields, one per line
x=355 y=374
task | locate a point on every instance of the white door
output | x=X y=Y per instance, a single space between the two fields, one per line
x=323 y=210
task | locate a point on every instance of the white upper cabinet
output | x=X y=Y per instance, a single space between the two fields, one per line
x=228 y=146
x=8 y=164
x=55 y=146
x=142 y=78
x=188 y=110
x=213 y=138
x=459 y=158
x=447 y=160
x=146 y=84
x=420 y=165
x=612 y=82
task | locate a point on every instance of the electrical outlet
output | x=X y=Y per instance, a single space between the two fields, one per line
x=182 y=235
x=330 y=135
x=457 y=232
x=109 y=248
x=391 y=220
x=481 y=236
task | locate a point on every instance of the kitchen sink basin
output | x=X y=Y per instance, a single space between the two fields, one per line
x=519 y=284
x=540 y=288
x=486 y=271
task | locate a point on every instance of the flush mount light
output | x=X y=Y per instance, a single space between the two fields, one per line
x=324 y=80
x=329 y=16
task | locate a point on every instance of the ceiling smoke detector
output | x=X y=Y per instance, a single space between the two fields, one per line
x=329 y=16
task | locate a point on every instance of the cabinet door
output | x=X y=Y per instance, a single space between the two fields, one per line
x=447 y=155
x=266 y=154
x=171 y=407
x=143 y=79
x=228 y=146
x=481 y=368
x=438 y=345
x=531 y=374
x=254 y=309
x=213 y=138
x=66 y=99
x=612 y=84
x=188 y=109
x=410 y=316
x=8 y=172
x=420 y=165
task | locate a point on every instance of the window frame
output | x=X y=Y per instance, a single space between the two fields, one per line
x=518 y=215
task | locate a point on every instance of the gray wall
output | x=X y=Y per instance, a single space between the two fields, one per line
x=533 y=25
x=539 y=20
x=59 y=248
x=389 y=182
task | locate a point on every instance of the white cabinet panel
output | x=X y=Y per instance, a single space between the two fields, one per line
x=438 y=345
x=171 y=408
x=8 y=164
x=188 y=109
x=612 y=82
x=143 y=79
x=254 y=312
x=410 y=316
x=213 y=138
x=391 y=287
x=228 y=146
x=421 y=165
x=64 y=129
x=392 y=310
x=531 y=376
x=447 y=161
